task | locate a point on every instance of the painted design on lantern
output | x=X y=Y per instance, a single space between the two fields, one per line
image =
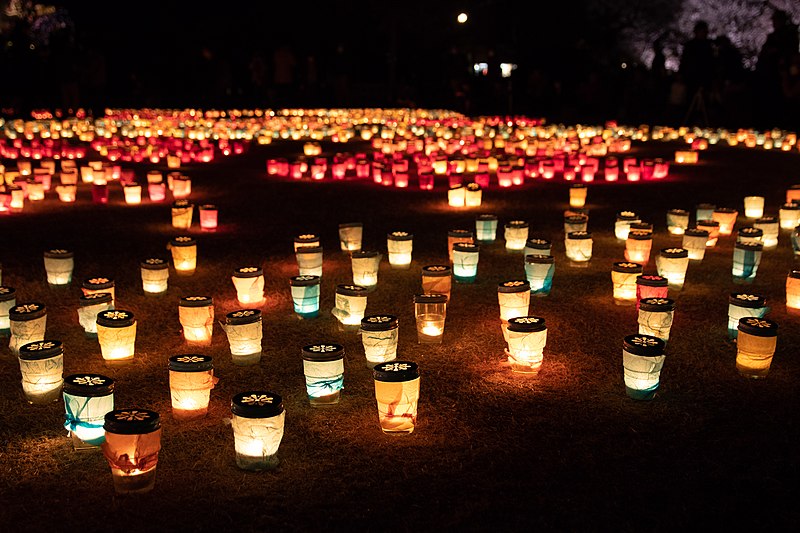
x=190 y=359
x=42 y=345
x=395 y=367
x=628 y=265
x=97 y=281
x=91 y=381
x=240 y=314
x=195 y=298
x=57 y=251
x=673 y=250
x=247 y=270
x=258 y=399
x=116 y=315
x=747 y=297
x=322 y=348
x=376 y=319
x=526 y=320
x=757 y=323
x=154 y=261
x=27 y=308
x=656 y=301
x=644 y=341
x=132 y=416
x=513 y=283
x=399 y=234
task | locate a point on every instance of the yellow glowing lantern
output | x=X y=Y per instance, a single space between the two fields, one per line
x=184 y=255
x=430 y=311
x=623 y=224
x=182 y=212
x=365 y=264
x=770 y=229
x=133 y=440
x=35 y=191
x=686 y=157
x=99 y=284
x=306 y=240
x=27 y=324
x=350 y=234
x=514 y=297
x=8 y=299
x=436 y=279
x=726 y=217
x=90 y=305
x=181 y=186
x=155 y=275
x=87 y=399
x=311 y=149
x=655 y=317
x=116 y=331
x=754 y=206
x=455 y=236
x=642 y=361
x=41 y=364
x=400 y=245
x=789 y=215
x=526 y=337
x=133 y=194
x=397 y=395
x=637 y=246
x=59 y=264
x=244 y=330
x=196 y=315
x=623 y=280
x=68 y=177
x=309 y=260
x=793 y=290
x=191 y=378
x=379 y=335
x=323 y=367
x=258 y=422
x=578 y=246
x=350 y=304
x=456 y=197
x=755 y=346
x=677 y=221
x=249 y=284
x=516 y=234
x=473 y=195
x=750 y=235
x=67 y=193
x=672 y=264
x=87 y=175
x=173 y=161
x=577 y=195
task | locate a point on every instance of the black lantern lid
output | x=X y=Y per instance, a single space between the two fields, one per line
x=183 y=240
x=581 y=185
x=248 y=272
x=750 y=231
x=726 y=210
x=363 y=254
x=399 y=236
x=696 y=232
x=745 y=299
x=323 y=351
x=645 y=345
x=538 y=244
x=794 y=274
x=708 y=223
x=627 y=216
x=115 y=318
x=627 y=267
x=303 y=281
x=516 y=285
x=40 y=350
x=486 y=217
x=94 y=284
x=674 y=253
x=257 y=404
x=133 y=421
x=642 y=226
x=468 y=247
x=539 y=259
x=28 y=311
x=579 y=235
x=760 y=327
x=396 y=371
x=657 y=304
x=7 y=293
x=155 y=263
x=352 y=290
x=791 y=206
x=208 y=207
x=95 y=298
x=463 y=233
x=352 y=225
x=749 y=246
x=196 y=301
x=243 y=316
x=309 y=250
x=527 y=324
x=678 y=212
x=191 y=362
x=88 y=385
x=182 y=203
x=638 y=235
x=651 y=280
x=517 y=224
x=432 y=298
x=379 y=322
x=436 y=270
x=576 y=219
x=767 y=220
x=58 y=253
x=307 y=237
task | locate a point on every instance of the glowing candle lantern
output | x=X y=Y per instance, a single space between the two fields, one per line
x=486 y=228
x=455 y=236
x=306 y=240
x=746 y=258
x=156 y=191
x=426 y=182
x=350 y=304
x=456 y=197
x=196 y=315
x=623 y=224
x=400 y=245
x=69 y=176
x=789 y=215
x=793 y=291
x=726 y=217
x=578 y=246
x=577 y=195
x=90 y=305
x=655 y=317
x=651 y=286
x=755 y=346
x=59 y=264
x=704 y=211
x=694 y=240
x=209 y=215
x=686 y=157
x=526 y=337
x=99 y=284
x=350 y=235
x=379 y=335
x=182 y=212
x=623 y=280
x=191 y=378
x=245 y=332
x=133 y=440
x=87 y=399
x=181 y=186
x=309 y=261
x=67 y=193
x=184 y=255
x=305 y=295
x=637 y=246
x=86 y=175
x=116 y=331
x=770 y=230
x=436 y=279
x=465 y=262
x=754 y=206
x=155 y=275
x=677 y=221
x=249 y=284
x=133 y=194
x=323 y=366
x=35 y=191
x=514 y=298
x=741 y=305
x=473 y=195
x=8 y=299
x=575 y=223
x=41 y=364
x=642 y=360
x=27 y=324
x=672 y=264
x=100 y=192
x=516 y=234
x=750 y=235
x=712 y=227
x=397 y=395
x=173 y=161
x=365 y=264
x=430 y=311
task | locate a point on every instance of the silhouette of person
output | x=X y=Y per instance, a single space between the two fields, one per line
x=697 y=60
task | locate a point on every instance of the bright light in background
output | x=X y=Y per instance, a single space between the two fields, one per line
x=480 y=69
x=462 y=18
x=507 y=68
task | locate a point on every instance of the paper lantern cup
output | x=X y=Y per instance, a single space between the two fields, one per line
x=465 y=262
x=400 y=245
x=789 y=216
x=116 y=332
x=379 y=335
x=770 y=229
x=793 y=291
x=746 y=258
x=578 y=246
x=694 y=241
x=753 y=206
x=642 y=359
x=305 y=295
x=755 y=346
x=672 y=264
x=622 y=226
x=191 y=378
x=184 y=255
x=437 y=279
x=514 y=298
x=750 y=235
x=743 y=305
x=350 y=235
x=365 y=265
x=575 y=223
x=539 y=270
x=249 y=284
x=133 y=440
x=59 y=264
x=8 y=299
x=87 y=399
x=397 y=396
x=430 y=311
x=350 y=304
x=486 y=228
x=577 y=195
x=182 y=214
x=623 y=281
x=526 y=337
x=196 y=315
x=650 y=286
x=516 y=234
x=637 y=246
x=323 y=367
x=244 y=330
x=704 y=211
x=27 y=324
x=726 y=218
x=41 y=365
x=309 y=261
x=209 y=217
x=155 y=275
x=677 y=221
x=655 y=317
x=456 y=236
x=257 y=422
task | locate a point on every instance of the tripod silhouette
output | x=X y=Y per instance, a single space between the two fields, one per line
x=698 y=104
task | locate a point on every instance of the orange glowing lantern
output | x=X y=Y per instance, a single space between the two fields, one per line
x=637 y=246
x=191 y=378
x=249 y=284
x=712 y=228
x=208 y=217
x=184 y=255
x=182 y=212
x=526 y=337
x=116 y=331
x=755 y=346
x=726 y=217
x=397 y=395
x=196 y=315
x=133 y=440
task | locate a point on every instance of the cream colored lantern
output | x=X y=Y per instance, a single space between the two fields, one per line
x=516 y=234
x=351 y=303
x=249 y=284
x=623 y=280
x=379 y=335
x=244 y=330
x=116 y=331
x=694 y=241
x=27 y=324
x=184 y=255
x=258 y=422
x=196 y=315
x=672 y=264
x=526 y=337
x=309 y=260
x=400 y=245
x=578 y=246
x=514 y=298
x=191 y=378
x=655 y=317
x=350 y=235
x=155 y=275
x=59 y=264
x=89 y=307
x=41 y=364
x=182 y=212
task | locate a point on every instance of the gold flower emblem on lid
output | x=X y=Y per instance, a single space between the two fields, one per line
x=257 y=399
x=89 y=380
x=132 y=416
x=190 y=359
x=644 y=341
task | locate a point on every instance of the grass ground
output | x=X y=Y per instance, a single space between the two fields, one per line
x=492 y=450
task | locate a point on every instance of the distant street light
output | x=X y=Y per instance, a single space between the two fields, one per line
x=462 y=18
